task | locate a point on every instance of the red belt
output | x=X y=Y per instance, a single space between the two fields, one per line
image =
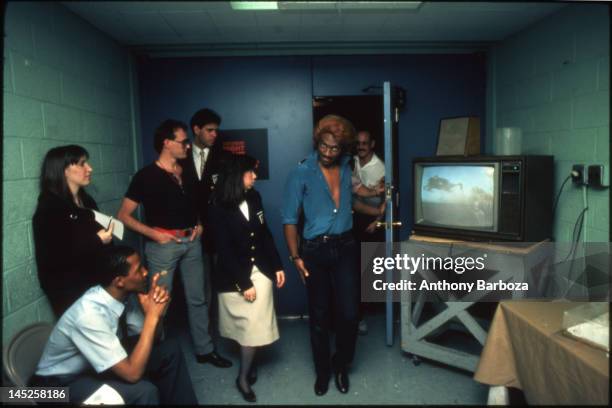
x=180 y=233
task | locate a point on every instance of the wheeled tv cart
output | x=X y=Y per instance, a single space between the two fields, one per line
x=507 y=262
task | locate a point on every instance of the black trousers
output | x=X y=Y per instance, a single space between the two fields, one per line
x=360 y=223
x=333 y=288
x=166 y=380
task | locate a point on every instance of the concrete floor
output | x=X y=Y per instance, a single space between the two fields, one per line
x=379 y=374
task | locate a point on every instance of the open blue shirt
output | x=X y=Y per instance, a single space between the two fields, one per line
x=307 y=189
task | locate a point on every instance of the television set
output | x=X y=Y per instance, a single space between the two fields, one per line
x=484 y=198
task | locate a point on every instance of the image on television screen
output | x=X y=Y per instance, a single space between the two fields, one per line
x=458 y=196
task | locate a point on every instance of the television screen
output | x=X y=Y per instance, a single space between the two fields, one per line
x=459 y=196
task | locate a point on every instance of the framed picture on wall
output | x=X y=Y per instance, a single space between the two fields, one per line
x=459 y=136
x=253 y=142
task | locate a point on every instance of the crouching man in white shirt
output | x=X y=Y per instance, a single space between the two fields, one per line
x=87 y=347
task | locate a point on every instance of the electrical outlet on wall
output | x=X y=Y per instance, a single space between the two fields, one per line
x=578 y=175
x=597 y=176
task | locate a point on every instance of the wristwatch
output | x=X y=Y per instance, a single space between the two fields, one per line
x=292 y=258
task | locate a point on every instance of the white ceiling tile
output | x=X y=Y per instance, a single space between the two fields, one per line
x=359 y=19
x=149 y=24
x=113 y=6
x=184 y=22
x=192 y=6
x=275 y=18
x=246 y=18
x=239 y=34
x=321 y=18
x=190 y=23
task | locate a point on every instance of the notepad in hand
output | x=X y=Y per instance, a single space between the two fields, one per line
x=105 y=220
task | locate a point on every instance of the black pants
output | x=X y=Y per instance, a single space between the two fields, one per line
x=333 y=287
x=166 y=380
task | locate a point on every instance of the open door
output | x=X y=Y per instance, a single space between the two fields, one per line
x=393 y=98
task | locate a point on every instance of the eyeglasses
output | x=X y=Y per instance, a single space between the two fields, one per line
x=326 y=147
x=184 y=142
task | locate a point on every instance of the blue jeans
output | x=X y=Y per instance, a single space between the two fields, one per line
x=188 y=256
x=333 y=286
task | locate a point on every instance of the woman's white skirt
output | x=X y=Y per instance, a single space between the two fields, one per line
x=249 y=323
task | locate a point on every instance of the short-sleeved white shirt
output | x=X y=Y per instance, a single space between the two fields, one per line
x=86 y=336
x=369 y=175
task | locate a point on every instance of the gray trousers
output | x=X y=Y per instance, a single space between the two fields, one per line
x=194 y=274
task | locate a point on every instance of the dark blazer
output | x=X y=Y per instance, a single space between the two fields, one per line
x=241 y=243
x=66 y=247
x=203 y=188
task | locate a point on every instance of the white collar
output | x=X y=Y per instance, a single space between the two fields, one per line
x=373 y=160
x=113 y=304
x=199 y=149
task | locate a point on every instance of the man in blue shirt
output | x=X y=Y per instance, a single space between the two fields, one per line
x=321 y=188
x=87 y=347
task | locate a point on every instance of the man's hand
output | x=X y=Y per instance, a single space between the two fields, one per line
x=156 y=300
x=106 y=235
x=280 y=279
x=249 y=294
x=154 y=304
x=197 y=231
x=382 y=208
x=299 y=265
x=372 y=227
x=380 y=187
x=163 y=238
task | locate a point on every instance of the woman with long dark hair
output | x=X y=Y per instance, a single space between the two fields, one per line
x=248 y=263
x=66 y=236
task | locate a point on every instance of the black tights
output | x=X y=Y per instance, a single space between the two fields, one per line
x=247 y=356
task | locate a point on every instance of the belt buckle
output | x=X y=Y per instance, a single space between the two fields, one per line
x=325 y=238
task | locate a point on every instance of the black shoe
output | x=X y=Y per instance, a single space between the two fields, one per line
x=249 y=396
x=321 y=385
x=342 y=380
x=213 y=358
x=252 y=375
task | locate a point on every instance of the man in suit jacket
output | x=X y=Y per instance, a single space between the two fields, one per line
x=202 y=166
x=200 y=170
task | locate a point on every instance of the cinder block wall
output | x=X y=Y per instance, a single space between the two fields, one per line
x=64 y=82
x=553 y=81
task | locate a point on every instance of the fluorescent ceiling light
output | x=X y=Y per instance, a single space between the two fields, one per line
x=325 y=5
x=254 y=5
x=349 y=5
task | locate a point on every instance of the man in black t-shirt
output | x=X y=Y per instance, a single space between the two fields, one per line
x=174 y=229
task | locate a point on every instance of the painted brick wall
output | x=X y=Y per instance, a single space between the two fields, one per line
x=64 y=82
x=553 y=81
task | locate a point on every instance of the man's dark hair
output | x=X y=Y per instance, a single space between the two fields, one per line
x=371 y=137
x=112 y=262
x=166 y=131
x=204 y=117
x=229 y=190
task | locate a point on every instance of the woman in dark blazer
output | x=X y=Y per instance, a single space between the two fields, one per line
x=248 y=264
x=67 y=238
